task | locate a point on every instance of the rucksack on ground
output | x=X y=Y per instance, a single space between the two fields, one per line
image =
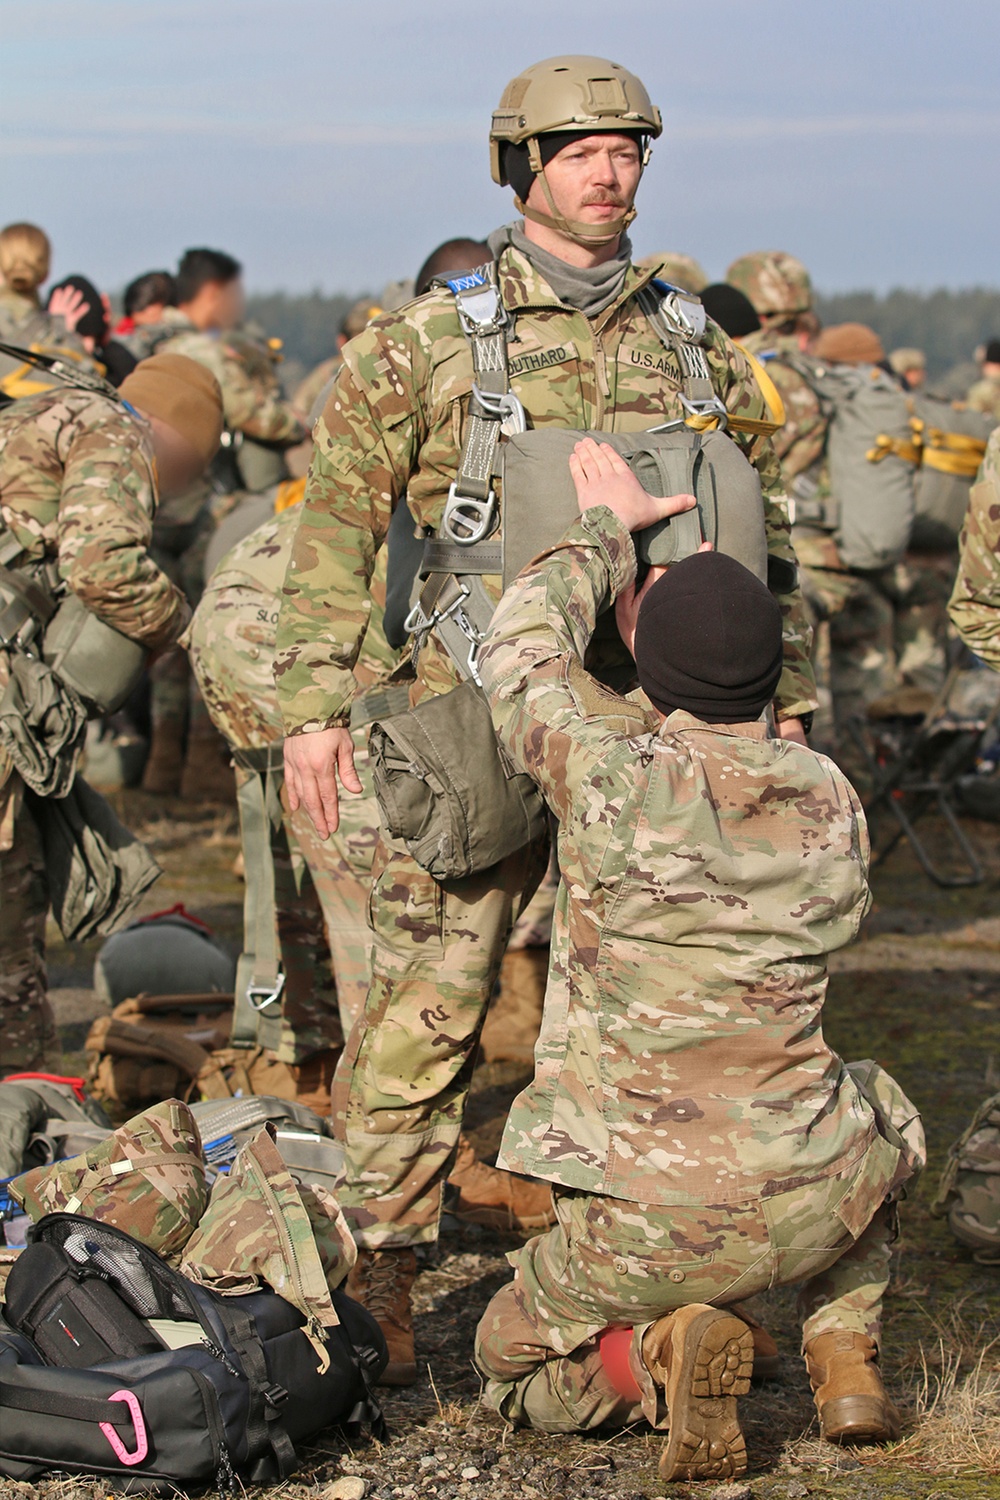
x=167 y=953
x=187 y=1368
x=968 y=1194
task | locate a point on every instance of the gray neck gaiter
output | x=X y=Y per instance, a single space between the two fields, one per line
x=589 y=290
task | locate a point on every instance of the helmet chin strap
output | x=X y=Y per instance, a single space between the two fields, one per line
x=577 y=230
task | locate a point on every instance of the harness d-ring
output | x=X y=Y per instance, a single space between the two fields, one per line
x=141 y=1441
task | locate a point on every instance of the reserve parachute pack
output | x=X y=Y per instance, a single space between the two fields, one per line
x=899 y=466
x=37 y=613
x=443 y=786
x=968 y=1194
x=22 y=372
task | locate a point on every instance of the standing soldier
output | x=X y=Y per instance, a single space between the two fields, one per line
x=560 y=330
x=80 y=474
x=260 y=425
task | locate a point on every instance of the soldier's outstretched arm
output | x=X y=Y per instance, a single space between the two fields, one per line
x=104 y=527
x=367 y=442
x=553 y=717
x=975 y=600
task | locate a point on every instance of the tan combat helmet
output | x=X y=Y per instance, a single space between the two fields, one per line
x=776 y=283
x=680 y=270
x=570 y=93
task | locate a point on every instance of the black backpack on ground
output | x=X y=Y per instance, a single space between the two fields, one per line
x=111 y=1363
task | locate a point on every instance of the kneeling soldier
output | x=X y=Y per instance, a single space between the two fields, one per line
x=704 y=1141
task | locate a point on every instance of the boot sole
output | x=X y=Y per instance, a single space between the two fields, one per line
x=706 y=1441
x=857 y=1419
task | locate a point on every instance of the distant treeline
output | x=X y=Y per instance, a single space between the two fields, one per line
x=946 y=325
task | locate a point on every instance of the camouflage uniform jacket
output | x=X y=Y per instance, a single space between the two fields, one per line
x=394 y=424
x=707 y=870
x=975 y=601
x=78 y=485
x=252 y=398
x=800 y=443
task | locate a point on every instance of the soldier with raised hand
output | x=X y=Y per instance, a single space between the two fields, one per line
x=703 y=1140
x=576 y=332
x=80 y=476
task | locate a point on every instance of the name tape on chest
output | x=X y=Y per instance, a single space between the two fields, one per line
x=540 y=359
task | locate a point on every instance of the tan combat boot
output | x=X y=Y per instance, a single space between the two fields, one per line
x=207 y=774
x=493 y=1199
x=165 y=762
x=382 y=1281
x=766 y=1355
x=702 y=1357
x=847 y=1387
x=514 y=1018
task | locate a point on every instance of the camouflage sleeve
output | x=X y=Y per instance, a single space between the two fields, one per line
x=975 y=601
x=104 y=528
x=366 y=444
x=557 y=722
x=254 y=405
x=796 y=693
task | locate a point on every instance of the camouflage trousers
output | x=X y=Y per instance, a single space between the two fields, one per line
x=607 y=1263
x=922 y=588
x=27 y=1026
x=401 y=1086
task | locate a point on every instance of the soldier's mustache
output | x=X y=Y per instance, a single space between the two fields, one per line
x=605 y=199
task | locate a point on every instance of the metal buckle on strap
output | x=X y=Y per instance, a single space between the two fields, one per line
x=503 y=407
x=686 y=313
x=710 y=407
x=419 y=625
x=481 y=311
x=467 y=520
x=260 y=996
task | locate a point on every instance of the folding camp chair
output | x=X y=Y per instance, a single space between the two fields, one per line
x=915 y=760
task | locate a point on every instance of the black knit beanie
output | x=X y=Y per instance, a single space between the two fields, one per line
x=708 y=640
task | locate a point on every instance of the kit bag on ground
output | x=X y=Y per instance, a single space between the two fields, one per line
x=154 y=1047
x=43 y=1118
x=968 y=1194
x=167 y=953
x=112 y=1363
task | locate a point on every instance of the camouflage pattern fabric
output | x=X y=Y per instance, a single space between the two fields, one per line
x=323 y=929
x=307 y=392
x=27 y=1025
x=77 y=487
x=969 y=1191
x=975 y=599
x=147 y=1179
x=261 y=1228
x=692 y=936
x=801 y=441
x=985 y=396
x=393 y=424
x=776 y=283
x=252 y=398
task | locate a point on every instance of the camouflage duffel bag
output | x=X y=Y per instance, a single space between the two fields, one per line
x=969 y=1192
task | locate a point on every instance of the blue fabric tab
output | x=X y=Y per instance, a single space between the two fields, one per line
x=468 y=283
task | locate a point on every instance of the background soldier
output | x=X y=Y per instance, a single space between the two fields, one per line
x=260 y=424
x=571 y=137
x=79 y=480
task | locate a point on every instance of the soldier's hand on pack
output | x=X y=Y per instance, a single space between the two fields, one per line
x=312 y=765
x=602 y=477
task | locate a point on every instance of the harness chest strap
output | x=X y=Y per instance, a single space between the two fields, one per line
x=259 y=979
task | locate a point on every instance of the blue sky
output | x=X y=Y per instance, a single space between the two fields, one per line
x=332 y=144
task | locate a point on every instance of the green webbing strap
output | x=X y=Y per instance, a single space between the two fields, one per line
x=382 y=702
x=259 y=976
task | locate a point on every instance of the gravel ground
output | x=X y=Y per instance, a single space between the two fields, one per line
x=921 y=993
